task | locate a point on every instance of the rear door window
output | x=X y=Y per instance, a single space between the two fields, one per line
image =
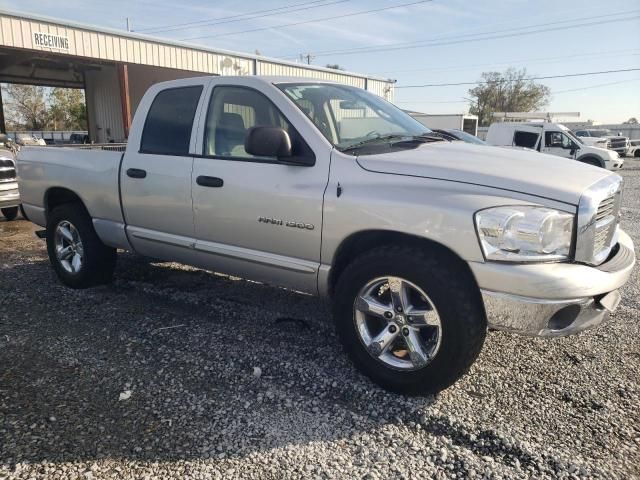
x=525 y=139
x=167 y=130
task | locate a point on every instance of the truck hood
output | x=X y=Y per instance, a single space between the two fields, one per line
x=527 y=172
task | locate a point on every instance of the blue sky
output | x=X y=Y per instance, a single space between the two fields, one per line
x=595 y=46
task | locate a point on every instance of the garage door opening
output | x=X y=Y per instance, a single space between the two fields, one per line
x=35 y=114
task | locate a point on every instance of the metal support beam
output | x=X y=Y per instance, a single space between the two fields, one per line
x=125 y=99
x=3 y=127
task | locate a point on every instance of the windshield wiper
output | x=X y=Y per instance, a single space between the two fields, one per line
x=423 y=138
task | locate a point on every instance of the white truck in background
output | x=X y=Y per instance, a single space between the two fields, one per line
x=462 y=121
x=553 y=139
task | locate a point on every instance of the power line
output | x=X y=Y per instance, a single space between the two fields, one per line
x=546 y=77
x=305 y=22
x=523 y=62
x=242 y=16
x=490 y=35
x=600 y=85
x=596 y=86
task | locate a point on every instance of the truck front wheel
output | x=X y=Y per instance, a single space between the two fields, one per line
x=78 y=256
x=10 y=213
x=409 y=319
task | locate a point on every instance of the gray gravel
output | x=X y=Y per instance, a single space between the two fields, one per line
x=176 y=372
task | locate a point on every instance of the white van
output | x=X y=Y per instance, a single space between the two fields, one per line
x=553 y=139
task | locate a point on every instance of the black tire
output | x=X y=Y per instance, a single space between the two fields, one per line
x=10 y=213
x=637 y=153
x=98 y=260
x=452 y=291
x=592 y=161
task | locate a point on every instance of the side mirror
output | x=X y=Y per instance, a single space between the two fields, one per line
x=268 y=142
x=274 y=142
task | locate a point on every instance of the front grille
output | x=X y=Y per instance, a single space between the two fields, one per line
x=7 y=173
x=598 y=217
x=618 y=143
x=606 y=224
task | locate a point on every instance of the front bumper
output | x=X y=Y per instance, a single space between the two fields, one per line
x=9 y=198
x=556 y=299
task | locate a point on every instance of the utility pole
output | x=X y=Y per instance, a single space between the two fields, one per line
x=128 y=25
x=306 y=58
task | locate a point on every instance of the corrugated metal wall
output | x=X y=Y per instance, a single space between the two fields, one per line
x=271 y=68
x=19 y=33
x=381 y=88
x=104 y=106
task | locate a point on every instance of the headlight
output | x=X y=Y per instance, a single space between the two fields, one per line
x=524 y=233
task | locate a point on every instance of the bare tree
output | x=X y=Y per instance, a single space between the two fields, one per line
x=25 y=107
x=631 y=121
x=510 y=91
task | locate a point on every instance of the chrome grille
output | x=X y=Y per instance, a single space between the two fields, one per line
x=598 y=217
x=7 y=170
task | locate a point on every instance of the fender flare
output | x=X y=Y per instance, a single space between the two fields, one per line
x=593 y=156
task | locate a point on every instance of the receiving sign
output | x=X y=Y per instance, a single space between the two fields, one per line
x=47 y=40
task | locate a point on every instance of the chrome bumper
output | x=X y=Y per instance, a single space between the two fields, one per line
x=9 y=198
x=570 y=298
x=546 y=318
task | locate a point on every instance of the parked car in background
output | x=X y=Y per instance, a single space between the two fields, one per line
x=9 y=196
x=553 y=139
x=616 y=142
x=634 y=148
x=79 y=138
x=455 y=134
x=24 y=139
x=421 y=243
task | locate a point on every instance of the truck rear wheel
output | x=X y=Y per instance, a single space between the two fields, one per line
x=76 y=253
x=10 y=213
x=410 y=320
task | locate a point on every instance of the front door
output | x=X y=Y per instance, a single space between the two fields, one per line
x=558 y=143
x=254 y=216
x=156 y=174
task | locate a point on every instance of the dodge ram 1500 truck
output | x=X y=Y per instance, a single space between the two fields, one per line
x=422 y=244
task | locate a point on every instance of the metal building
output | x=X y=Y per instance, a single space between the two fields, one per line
x=116 y=67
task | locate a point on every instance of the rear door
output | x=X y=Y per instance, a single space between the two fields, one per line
x=255 y=216
x=156 y=171
x=527 y=137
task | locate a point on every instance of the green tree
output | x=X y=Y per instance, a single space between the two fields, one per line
x=67 y=109
x=510 y=91
x=25 y=107
x=632 y=121
x=335 y=66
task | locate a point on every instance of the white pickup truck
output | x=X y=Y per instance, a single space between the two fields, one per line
x=422 y=244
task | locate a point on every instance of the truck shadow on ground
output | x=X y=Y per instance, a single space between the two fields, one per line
x=171 y=362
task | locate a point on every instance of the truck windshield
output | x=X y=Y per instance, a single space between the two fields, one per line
x=351 y=118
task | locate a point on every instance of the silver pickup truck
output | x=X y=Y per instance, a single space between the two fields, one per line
x=422 y=244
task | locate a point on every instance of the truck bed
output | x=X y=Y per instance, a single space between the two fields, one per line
x=90 y=174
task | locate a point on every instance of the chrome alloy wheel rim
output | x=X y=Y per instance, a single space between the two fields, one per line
x=69 y=250
x=397 y=323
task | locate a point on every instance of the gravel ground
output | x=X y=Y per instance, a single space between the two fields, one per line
x=176 y=372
